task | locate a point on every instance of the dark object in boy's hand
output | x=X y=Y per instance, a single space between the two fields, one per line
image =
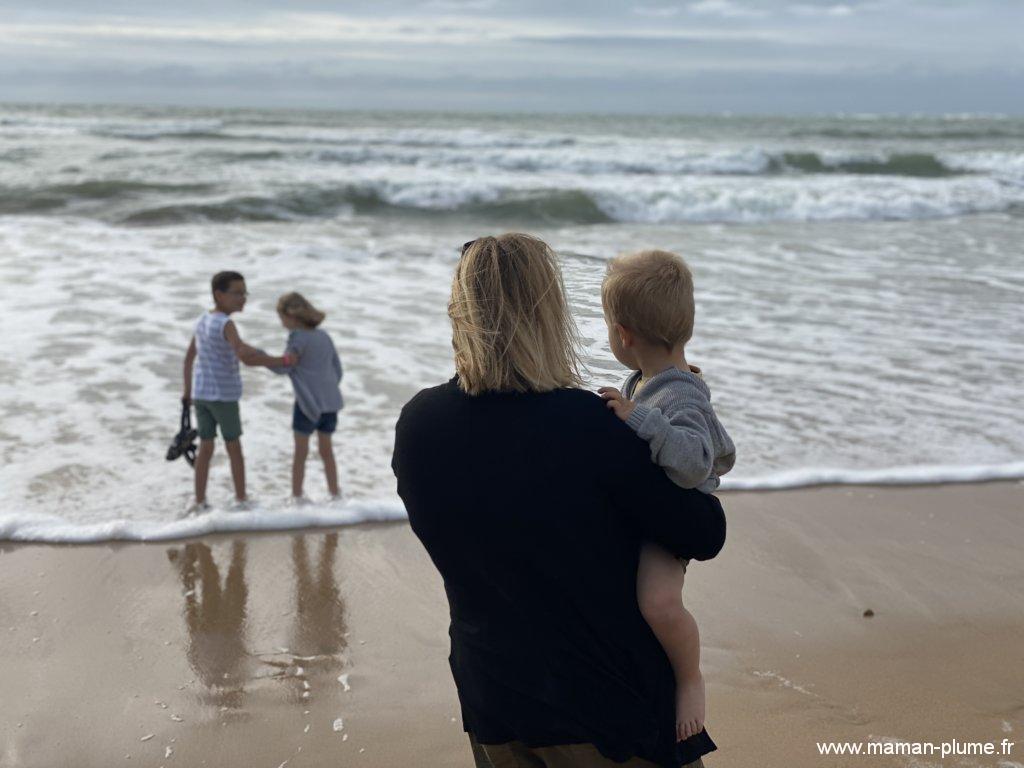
x=184 y=443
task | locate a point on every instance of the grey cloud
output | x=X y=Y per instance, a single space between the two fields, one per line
x=690 y=55
x=730 y=9
x=657 y=12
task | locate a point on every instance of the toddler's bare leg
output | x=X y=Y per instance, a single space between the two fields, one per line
x=299 y=463
x=203 y=456
x=659 y=591
x=234 y=449
x=330 y=466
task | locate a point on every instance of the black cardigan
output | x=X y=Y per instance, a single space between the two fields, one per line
x=533 y=507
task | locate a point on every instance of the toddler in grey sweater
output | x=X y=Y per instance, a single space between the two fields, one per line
x=648 y=306
x=672 y=411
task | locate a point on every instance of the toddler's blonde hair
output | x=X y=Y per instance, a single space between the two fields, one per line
x=511 y=326
x=650 y=293
x=296 y=305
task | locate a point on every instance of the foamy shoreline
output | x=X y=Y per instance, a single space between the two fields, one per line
x=284 y=516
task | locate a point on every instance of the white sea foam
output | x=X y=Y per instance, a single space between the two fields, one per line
x=36 y=527
x=282 y=517
x=817 y=199
x=925 y=475
x=802 y=383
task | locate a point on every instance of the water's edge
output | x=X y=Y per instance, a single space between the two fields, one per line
x=31 y=528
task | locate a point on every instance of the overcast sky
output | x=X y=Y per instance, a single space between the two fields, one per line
x=765 y=56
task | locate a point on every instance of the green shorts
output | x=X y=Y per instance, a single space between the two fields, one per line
x=211 y=413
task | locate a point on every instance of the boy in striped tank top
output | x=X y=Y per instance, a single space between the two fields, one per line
x=213 y=356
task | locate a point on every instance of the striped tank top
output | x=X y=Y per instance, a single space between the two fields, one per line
x=216 y=373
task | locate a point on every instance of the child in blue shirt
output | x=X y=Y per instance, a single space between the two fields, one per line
x=316 y=379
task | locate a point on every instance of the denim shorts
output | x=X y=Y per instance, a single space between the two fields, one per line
x=301 y=423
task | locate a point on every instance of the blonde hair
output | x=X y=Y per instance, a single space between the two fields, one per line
x=651 y=294
x=511 y=326
x=296 y=305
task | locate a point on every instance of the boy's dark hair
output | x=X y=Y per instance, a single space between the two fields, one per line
x=223 y=280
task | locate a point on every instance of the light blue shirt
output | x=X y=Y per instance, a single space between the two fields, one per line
x=317 y=377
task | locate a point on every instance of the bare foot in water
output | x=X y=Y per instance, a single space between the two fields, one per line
x=689 y=707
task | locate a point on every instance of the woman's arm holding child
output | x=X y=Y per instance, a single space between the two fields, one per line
x=684 y=521
x=680 y=442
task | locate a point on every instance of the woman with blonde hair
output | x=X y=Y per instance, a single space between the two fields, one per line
x=532 y=500
x=316 y=379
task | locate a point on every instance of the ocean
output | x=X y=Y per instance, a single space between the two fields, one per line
x=859 y=287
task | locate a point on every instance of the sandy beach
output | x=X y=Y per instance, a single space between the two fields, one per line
x=329 y=647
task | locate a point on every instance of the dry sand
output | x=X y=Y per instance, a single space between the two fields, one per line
x=227 y=649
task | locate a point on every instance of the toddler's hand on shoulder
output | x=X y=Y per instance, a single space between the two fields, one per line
x=614 y=399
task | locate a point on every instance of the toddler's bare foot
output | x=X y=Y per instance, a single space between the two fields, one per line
x=689 y=707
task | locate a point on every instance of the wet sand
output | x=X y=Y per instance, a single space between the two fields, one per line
x=228 y=650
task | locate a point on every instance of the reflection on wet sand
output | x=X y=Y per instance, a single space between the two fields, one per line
x=317 y=637
x=215 y=618
x=319 y=627
x=217 y=622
